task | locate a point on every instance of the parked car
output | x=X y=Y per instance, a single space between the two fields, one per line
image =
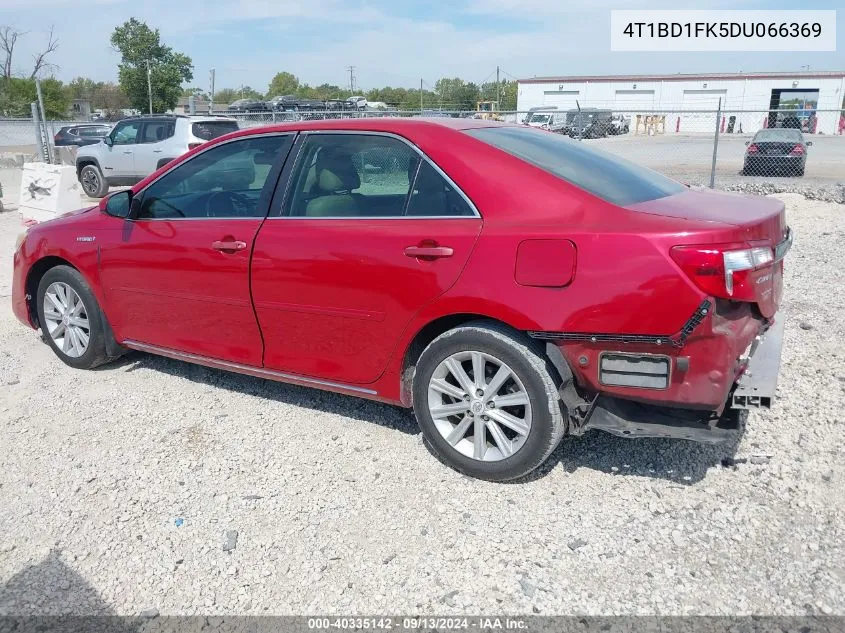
x=776 y=152
x=284 y=103
x=248 y=105
x=357 y=102
x=552 y=120
x=79 y=135
x=588 y=123
x=137 y=146
x=510 y=285
x=619 y=124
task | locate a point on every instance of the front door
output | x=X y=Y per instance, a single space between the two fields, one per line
x=177 y=276
x=119 y=161
x=355 y=252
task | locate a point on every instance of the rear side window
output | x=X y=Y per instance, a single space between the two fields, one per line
x=208 y=130
x=604 y=175
x=157 y=131
x=352 y=175
x=432 y=195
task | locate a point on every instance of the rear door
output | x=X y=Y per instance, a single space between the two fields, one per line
x=152 y=142
x=354 y=253
x=177 y=276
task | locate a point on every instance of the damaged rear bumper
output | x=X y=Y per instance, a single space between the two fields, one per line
x=754 y=388
x=757 y=385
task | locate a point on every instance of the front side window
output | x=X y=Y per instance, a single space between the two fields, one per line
x=352 y=175
x=603 y=174
x=226 y=181
x=126 y=133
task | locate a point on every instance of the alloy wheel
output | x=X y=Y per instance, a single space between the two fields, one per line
x=66 y=319
x=90 y=182
x=479 y=405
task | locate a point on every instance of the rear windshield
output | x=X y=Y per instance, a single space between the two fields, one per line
x=602 y=174
x=778 y=135
x=208 y=130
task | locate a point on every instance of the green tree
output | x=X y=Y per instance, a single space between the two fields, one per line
x=226 y=95
x=16 y=95
x=246 y=92
x=82 y=88
x=457 y=94
x=194 y=92
x=504 y=93
x=110 y=97
x=141 y=53
x=283 y=83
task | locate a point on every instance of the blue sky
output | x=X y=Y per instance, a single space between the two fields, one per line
x=390 y=42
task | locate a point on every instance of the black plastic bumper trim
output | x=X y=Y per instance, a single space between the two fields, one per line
x=675 y=340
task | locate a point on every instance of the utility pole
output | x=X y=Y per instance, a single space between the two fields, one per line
x=351 y=70
x=43 y=124
x=211 y=94
x=150 y=84
x=421 y=95
x=498 y=89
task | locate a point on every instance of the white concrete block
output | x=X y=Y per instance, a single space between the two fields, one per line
x=47 y=191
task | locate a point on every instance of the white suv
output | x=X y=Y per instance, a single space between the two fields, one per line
x=139 y=145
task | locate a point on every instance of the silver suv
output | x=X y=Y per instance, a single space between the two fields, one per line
x=139 y=145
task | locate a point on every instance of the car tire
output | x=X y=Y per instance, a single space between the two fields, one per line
x=800 y=171
x=530 y=431
x=63 y=288
x=93 y=182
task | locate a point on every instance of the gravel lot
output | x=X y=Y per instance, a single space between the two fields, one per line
x=121 y=490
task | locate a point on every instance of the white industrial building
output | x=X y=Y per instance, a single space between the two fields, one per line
x=678 y=96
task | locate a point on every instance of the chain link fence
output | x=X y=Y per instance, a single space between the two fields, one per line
x=733 y=149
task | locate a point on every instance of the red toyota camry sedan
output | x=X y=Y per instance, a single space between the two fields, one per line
x=509 y=284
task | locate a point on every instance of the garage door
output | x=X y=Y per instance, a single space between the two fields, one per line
x=563 y=99
x=634 y=102
x=707 y=100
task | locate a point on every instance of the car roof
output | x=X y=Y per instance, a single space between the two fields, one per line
x=396 y=125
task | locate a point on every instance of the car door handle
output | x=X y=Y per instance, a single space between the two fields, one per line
x=228 y=245
x=128 y=152
x=157 y=151
x=429 y=252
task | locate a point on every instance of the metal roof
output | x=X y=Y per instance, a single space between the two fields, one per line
x=813 y=74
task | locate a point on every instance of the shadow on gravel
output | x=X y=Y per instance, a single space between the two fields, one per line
x=38 y=596
x=679 y=461
x=386 y=415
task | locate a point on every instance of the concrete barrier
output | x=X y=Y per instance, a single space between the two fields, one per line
x=47 y=191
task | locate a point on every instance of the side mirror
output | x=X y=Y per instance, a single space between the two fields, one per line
x=809 y=143
x=108 y=141
x=748 y=142
x=118 y=205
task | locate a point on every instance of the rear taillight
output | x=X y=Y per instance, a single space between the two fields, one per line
x=798 y=150
x=723 y=270
x=193 y=145
x=753 y=149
